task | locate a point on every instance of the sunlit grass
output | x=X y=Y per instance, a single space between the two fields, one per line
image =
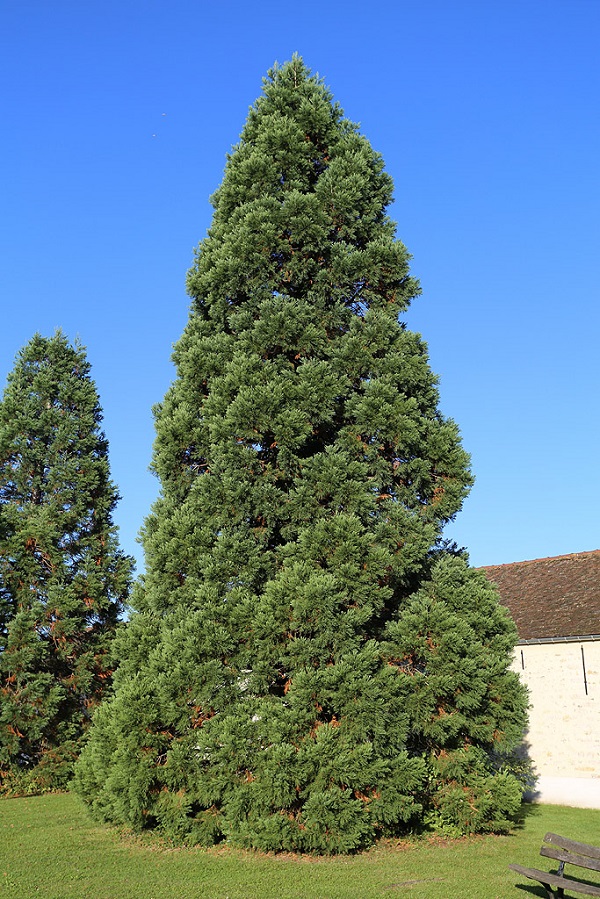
x=50 y=848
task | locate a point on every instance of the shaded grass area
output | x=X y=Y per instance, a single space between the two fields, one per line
x=50 y=848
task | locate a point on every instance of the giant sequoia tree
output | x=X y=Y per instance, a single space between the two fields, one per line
x=63 y=579
x=308 y=667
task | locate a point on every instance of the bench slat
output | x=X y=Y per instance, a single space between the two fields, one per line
x=554 y=880
x=592 y=864
x=572 y=846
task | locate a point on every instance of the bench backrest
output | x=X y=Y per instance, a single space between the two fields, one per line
x=571 y=852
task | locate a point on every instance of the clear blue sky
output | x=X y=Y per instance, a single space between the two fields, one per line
x=116 y=117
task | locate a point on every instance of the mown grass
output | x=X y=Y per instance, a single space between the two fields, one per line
x=50 y=848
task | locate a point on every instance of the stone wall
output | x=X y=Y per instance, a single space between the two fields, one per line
x=563 y=739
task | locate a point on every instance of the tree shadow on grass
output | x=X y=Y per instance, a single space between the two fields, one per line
x=527 y=810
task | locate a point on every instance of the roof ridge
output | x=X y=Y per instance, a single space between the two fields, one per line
x=589 y=552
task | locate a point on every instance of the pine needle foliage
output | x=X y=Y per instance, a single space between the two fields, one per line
x=307 y=669
x=63 y=579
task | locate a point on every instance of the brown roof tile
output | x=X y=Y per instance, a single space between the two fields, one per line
x=551 y=598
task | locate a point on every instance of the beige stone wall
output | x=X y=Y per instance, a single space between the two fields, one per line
x=564 y=729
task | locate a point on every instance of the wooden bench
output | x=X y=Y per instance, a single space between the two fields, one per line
x=565 y=852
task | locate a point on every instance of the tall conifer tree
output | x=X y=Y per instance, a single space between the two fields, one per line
x=308 y=668
x=63 y=579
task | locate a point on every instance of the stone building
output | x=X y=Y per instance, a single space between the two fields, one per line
x=555 y=603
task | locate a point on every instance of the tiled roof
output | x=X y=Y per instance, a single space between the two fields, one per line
x=552 y=598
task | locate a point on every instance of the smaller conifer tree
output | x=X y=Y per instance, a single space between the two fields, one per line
x=63 y=579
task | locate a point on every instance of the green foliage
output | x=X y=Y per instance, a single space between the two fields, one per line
x=63 y=579
x=294 y=569
x=451 y=644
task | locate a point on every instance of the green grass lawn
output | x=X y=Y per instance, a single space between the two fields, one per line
x=50 y=848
